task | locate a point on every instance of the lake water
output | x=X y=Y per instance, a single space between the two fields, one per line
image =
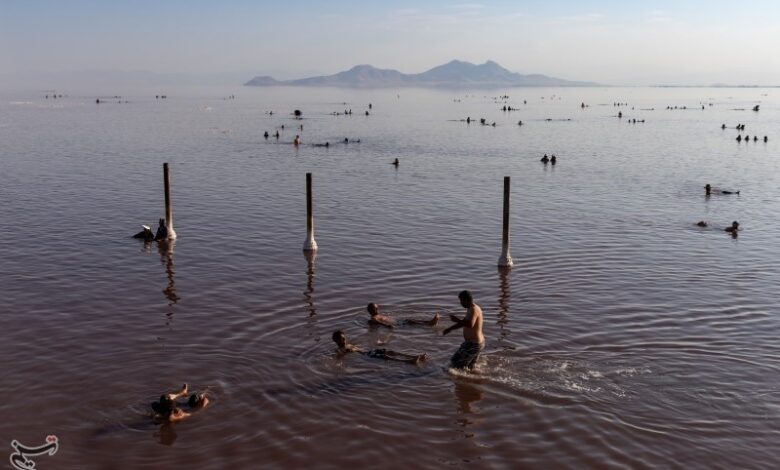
x=624 y=337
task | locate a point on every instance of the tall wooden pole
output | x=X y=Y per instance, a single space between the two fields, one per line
x=309 y=244
x=168 y=203
x=505 y=260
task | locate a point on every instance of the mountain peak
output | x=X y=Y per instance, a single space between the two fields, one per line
x=455 y=73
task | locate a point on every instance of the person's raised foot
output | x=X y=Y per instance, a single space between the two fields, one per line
x=181 y=393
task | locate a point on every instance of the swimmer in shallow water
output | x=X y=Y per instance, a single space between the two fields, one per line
x=344 y=347
x=733 y=229
x=701 y=223
x=167 y=409
x=473 y=340
x=378 y=319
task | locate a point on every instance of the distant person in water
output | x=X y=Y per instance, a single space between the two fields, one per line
x=701 y=223
x=553 y=160
x=297 y=140
x=379 y=319
x=167 y=409
x=707 y=189
x=734 y=228
x=145 y=234
x=545 y=159
x=344 y=347
x=473 y=340
x=395 y=162
x=265 y=134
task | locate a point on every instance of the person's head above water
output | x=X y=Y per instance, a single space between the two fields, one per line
x=465 y=298
x=373 y=309
x=164 y=407
x=339 y=338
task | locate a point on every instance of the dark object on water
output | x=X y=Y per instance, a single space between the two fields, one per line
x=265 y=134
x=755 y=138
x=297 y=113
x=162 y=231
x=734 y=227
x=395 y=162
x=766 y=139
x=545 y=159
x=701 y=223
x=552 y=160
x=519 y=123
x=730 y=192
x=723 y=126
x=707 y=189
x=366 y=113
x=620 y=114
x=755 y=108
x=145 y=234
x=739 y=138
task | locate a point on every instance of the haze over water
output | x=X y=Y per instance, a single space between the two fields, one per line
x=625 y=336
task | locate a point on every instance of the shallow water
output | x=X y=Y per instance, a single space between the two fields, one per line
x=625 y=336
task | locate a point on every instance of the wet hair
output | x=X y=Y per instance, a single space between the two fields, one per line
x=337 y=336
x=164 y=407
x=466 y=296
x=375 y=308
x=196 y=399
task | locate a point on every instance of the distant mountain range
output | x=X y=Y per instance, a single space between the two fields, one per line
x=452 y=74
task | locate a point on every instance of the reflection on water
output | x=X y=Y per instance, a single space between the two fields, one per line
x=166 y=250
x=503 y=302
x=311 y=257
x=166 y=434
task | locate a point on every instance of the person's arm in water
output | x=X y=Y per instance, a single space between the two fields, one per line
x=398 y=356
x=381 y=320
x=468 y=321
x=432 y=322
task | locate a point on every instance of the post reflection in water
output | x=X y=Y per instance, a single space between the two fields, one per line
x=503 y=302
x=311 y=257
x=166 y=249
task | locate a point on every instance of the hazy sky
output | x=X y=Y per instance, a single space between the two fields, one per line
x=613 y=42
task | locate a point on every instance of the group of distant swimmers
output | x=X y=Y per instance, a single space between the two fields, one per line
x=734 y=228
x=545 y=159
x=464 y=358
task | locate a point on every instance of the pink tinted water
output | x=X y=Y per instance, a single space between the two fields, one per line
x=625 y=336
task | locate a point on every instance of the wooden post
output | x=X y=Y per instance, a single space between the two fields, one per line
x=505 y=260
x=309 y=244
x=168 y=203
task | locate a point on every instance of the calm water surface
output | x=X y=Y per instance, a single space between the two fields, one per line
x=624 y=337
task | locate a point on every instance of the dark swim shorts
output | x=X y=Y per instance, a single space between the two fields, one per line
x=466 y=355
x=377 y=353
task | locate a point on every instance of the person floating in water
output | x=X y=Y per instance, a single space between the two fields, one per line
x=701 y=223
x=344 y=347
x=473 y=340
x=167 y=409
x=145 y=234
x=552 y=160
x=265 y=134
x=297 y=140
x=545 y=159
x=395 y=162
x=378 y=319
x=733 y=229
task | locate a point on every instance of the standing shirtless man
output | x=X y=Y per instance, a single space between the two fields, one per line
x=474 y=341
